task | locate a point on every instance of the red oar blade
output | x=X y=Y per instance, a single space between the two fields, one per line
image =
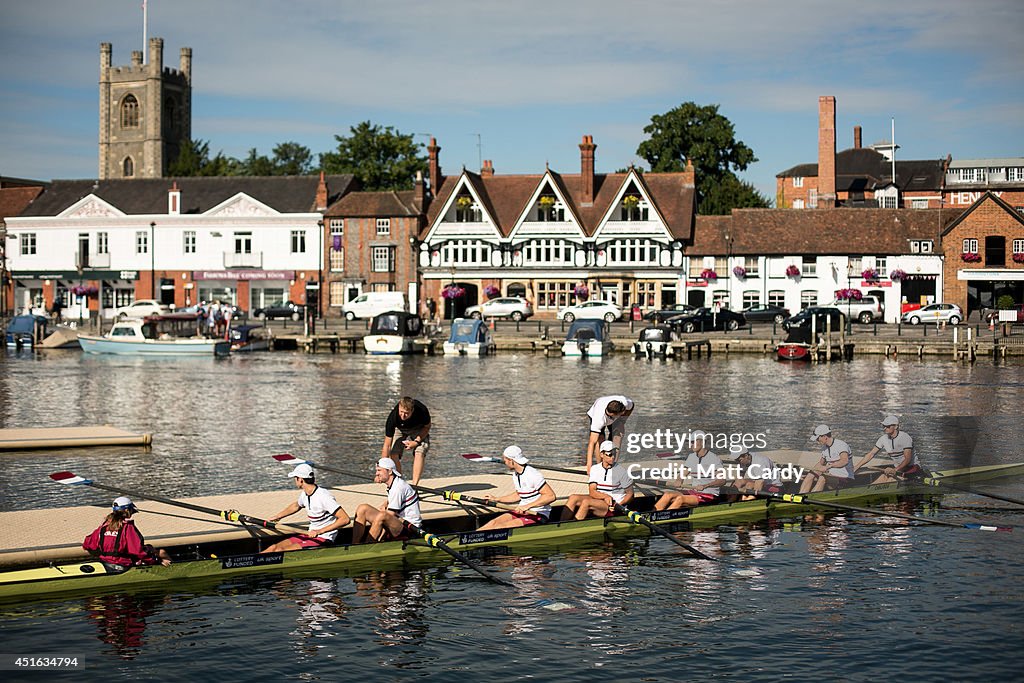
x=289 y=459
x=476 y=457
x=69 y=478
x=668 y=455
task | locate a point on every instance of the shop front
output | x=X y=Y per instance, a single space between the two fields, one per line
x=77 y=296
x=247 y=289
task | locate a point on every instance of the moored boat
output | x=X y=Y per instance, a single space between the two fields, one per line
x=26 y=331
x=587 y=338
x=249 y=338
x=796 y=346
x=394 y=332
x=654 y=341
x=153 y=337
x=469 y=337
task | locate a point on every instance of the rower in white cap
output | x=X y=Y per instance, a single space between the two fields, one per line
x=610 y=483
x=701 y=467
x=325 y=515
x=834 y=468
x=393 y=519
x=899 y=446
x=533 y=494
x=758 y=470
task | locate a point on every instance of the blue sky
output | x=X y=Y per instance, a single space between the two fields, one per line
x=527 y=79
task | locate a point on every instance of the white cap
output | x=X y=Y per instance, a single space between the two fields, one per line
x=303 y=471
x=123 y=503
x=698 y=435
x=890 y=420
x=387 y=464
x=738 y=449
x=821 y=430
x=515 y=454
x=607 y=446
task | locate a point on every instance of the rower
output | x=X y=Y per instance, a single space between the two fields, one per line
x=609 y=484
x=119 y=543
x=899 y=446
x=532 y=492
x=703 y=489
x=607 y=418
x=393 y=520
x=759 y=472
x=834 y=468
x=325 y=515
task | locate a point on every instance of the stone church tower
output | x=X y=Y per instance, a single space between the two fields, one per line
x=145 y=113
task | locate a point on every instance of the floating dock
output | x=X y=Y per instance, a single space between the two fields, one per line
x=69 y=437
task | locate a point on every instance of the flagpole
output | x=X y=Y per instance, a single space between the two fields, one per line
x=145 y=27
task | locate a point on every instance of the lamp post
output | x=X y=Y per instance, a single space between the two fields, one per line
x=152 y=260
x=320 y=268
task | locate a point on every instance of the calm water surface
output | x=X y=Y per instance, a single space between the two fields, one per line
x=834 y=597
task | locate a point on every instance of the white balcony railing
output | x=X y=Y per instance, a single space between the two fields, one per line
x=233 y=260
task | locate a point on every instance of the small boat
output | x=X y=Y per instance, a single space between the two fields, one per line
x=62 y=337
x=655 y=340
x=26 y=331
x=393 y=332
x=250 y=338
x=153 y=337
x=587 y=338
x=796 y=346
x=469 y=337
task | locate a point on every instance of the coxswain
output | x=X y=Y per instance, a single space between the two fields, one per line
x=325 y=515
x=395 y=518
x=119 y=543
x=610 y=483
x=532 y=493
x=834 y=468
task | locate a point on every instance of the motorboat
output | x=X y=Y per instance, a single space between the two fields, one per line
x=26 y=331
x=155 y=336
x=469 y=337
x=249 y=338
x=587 y=338
x=654 y=341
x=393 y=332
x=796 y=346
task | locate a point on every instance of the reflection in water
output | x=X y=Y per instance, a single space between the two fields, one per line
x=320 y=607
x=401 y=599
x=532 y=578
x=121 y=620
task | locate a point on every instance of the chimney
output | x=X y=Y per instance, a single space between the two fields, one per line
x=488 y=169
x=321 y=194
x=435 y=168
x=856 y=137
x=419 y=196
x=174 y=200
x=826 y=151
x=587 y=148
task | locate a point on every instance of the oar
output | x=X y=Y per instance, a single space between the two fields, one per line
x=230 y=515
x=430 y=539
x=804 y=500
x=938 y=481
x=634 y=517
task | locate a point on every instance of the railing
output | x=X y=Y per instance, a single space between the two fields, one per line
x=233 y=260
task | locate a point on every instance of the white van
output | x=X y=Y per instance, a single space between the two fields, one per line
x=369 y=304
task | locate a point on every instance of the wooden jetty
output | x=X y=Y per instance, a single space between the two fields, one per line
x=69 y=437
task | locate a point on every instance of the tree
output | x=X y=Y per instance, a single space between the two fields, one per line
x=291 y=158
x=379 y=158
x=707 y=139
x=194 y=160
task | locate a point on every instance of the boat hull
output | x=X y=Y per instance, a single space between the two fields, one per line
x=388 y=344
x=467 y=349
x=794 y=351
x=155 y=347
x=592 y=349
x=650 y=349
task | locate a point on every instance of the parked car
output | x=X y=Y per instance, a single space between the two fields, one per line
x=934 y=313
x=863 y=310
x=705 y=320
x=591 y=310
x=286 y=309
x=141 y=308
x=821 y=314
x=515 y=307
x=759 y=314
x=670 y=312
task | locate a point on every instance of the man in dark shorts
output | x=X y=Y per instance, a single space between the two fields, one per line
x=407 y=428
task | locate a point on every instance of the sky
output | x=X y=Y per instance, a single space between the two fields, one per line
x=519 y=83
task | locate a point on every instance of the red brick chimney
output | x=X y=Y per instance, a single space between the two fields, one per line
x=587 y=148
x=826 y=151
x=435 y=167
x=321 y=194
x=488 y=169
x=856 y=137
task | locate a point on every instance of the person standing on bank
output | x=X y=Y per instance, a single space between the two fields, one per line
x=607 y=423
x=118 y=542
x=834 y=469
x=407 y=428
x=899 y=446
x=325 y=515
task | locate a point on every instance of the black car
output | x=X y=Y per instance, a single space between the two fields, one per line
x=670 y=312
x=286 y=309
x=822 y=314
x=705 y=320
x=766 y=314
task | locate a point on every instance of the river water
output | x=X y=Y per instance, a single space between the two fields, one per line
x=843 y=597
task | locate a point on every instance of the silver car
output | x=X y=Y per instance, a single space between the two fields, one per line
x=514 y=307
x=934 y=313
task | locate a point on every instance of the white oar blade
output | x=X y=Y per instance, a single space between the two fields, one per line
x=289 y=459
x=69 y=478
x=476 y=457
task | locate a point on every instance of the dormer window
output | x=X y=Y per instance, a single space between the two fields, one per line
x=550 y=209
x=466 y=210
x=634 y=208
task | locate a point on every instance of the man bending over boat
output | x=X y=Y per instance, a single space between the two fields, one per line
x=607 y=421
x=325 y=515
x=610 y=483
x=411 y=420
x=118 y=542
x=899 y=446
x=701 y=466
x=533 y=494
x=754 y=467
x=393 y=519
x=834 y=469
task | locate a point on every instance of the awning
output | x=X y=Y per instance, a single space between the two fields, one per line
x=990 y=275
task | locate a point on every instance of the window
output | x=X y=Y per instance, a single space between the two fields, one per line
x=970 y=246
x=1015 y=174
x=243 y=242
x=1018 y=246
x=926 y=246
x=881 y=265
x=720 y=298
x=809 y=266
x=777 y=297
x=919 y=203
x=920 y=246
x=752 y=265
x=696 y=266
x=141 y=242
x=190 y=241
x=798 y=203
x=645 y=293
x=555 y=295
x=855 y=264
x=995 y=251
x=298 y=241
x=337 y=226
x=751 y=298
x=27 y=241
x=887 y=202
x=548 y=252
x=337 y=259
x=550 y=210
x=337 y=294
x=128 y=168
x=129 y=112
x=383 y=259
x=721 y=266
x=467 y=210
x=633 y=208
x=383 y=226
x=466 y=252
x=812 y=198
x=622 y=252
x=808 y=297
x=798 y=181
x=102 y=243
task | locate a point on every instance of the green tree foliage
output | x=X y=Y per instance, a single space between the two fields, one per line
x=194 y=160
x=708 y=140
x=291 y=158
x=380 y=158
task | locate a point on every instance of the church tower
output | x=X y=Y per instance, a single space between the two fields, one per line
x=145 y=113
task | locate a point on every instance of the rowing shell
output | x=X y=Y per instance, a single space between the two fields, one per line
x=93 y=576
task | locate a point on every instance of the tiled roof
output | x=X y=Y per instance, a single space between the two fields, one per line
x=861 y=169
x=286 y=194
x=981 y=200
x=370 y=204
x=13 y=200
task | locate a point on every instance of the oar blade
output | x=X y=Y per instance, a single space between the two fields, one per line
x=289 y=459
x=69 y=478
x=476 y=457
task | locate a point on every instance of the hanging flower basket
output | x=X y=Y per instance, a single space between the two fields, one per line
x=453 y=292
x=84 y=290
x=792 y=271
x=708 y=274
x=897 y=274
x=848 y=295
x=869 y=274
x=970 y=257
x=581 y=292
x=491 y=291
x=464 y=202
x=740 y=272
x=631 y=201
x=1018 y=258
x=546 y=202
